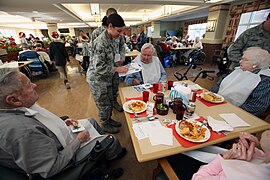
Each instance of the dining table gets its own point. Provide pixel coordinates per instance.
(145, 151)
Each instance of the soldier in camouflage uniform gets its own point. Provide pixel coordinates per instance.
(258, 36)
(101, 71)
(119, 49)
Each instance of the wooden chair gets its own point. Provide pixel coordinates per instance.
(166, 167)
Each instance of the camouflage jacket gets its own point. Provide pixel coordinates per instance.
(253, 37)
(102, 66)
(119, 43)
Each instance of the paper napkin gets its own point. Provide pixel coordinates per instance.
(218, 125)
(233, 120)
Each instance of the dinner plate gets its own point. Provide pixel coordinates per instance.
(206, 136)
(127, 109)
(212, 101)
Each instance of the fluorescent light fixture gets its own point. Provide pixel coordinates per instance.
(145, 16)
(167, 10)
(94, 7)
(35, 12)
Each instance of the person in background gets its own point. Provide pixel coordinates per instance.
(119, 44)
(101, 71)
(248, 86)
(141, 40)
(59, 55)
(85, 52)
(165, 48)
(152, 69)
(23, 41)
(258, 36)
(197, 45)
(243, 161)
(37, 40)
(44, 57)
(36, 141)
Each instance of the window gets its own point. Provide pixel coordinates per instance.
(251, 19)
(196, 30)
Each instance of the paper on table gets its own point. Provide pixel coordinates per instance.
(217, 125)
(132, 68)
(195, 87)
(233, 120)
(161, 135)
(141, 130)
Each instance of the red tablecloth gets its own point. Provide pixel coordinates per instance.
(186, 143)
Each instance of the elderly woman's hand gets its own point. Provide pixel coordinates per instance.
(247, 138)
(239, 151)
(135, 82)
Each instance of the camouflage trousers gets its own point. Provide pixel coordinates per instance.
(103, 97)
(115, 85)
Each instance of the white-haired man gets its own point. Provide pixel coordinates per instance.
(152, 69)
(34, 140)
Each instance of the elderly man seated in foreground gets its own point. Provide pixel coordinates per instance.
(34, 140)
(248, 86)
(152, 69)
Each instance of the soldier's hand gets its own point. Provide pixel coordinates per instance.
(122, 69)
(83, 136)
(119, 63)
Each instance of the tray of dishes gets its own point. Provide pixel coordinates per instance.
(212, 97)
(134, 106)
(193, 131)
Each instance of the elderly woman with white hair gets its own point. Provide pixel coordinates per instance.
(248, 86)
(152, 69)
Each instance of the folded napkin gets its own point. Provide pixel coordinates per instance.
(234, 120)
(195, 87)
(217, 125)
(161, 135)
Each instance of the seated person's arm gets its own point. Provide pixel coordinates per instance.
(38, 153)
(259, 100)
(133, 79)
(163, 75)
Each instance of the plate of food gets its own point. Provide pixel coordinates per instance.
(134, 106)
(212, 97)
(193, 131)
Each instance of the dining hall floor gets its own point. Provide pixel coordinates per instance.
(78, 103)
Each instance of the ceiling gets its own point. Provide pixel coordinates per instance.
(35, 14)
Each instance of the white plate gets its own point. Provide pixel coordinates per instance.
(207, 132)
(126, 106)
(208, 92)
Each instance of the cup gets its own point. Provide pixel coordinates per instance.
(145, 96)
(170, 85)
(177, 104)
(155, 88)
(158, 98)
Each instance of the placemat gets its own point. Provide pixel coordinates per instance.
(186, 143)
(139, 114)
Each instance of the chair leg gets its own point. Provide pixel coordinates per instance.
(156, 171)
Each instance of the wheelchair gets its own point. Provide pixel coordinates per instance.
(91, 167)
(36, 68)
(196, 57)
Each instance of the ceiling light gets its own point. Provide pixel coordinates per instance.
(94, 7)
(35, 12)
(167, 10)
(145, 16)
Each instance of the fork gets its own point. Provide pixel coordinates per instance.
(135, 114)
